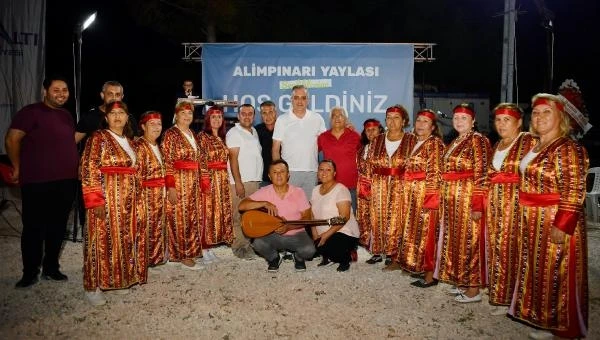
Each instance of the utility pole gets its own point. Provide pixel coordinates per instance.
(508, 52)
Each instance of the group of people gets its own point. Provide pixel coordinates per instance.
(507, 217)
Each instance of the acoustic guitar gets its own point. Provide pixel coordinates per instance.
(256, 223)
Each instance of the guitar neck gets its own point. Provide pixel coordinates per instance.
(306, 222)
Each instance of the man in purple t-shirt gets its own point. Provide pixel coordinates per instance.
(40, 144)
(289, 202)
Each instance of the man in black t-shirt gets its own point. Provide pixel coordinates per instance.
(90, 121)
(268, 113)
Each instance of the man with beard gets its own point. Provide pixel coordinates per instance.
(245, 172)
(44, 157)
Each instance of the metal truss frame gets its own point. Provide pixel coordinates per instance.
(423, 52)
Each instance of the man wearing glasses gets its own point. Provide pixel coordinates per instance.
(295, 134)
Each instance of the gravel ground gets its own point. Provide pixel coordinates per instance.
(239, 299)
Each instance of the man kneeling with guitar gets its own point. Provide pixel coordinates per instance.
(288, 203)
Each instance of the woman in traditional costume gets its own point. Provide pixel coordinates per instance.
(461, 245)
(216, 201)
(182, 178)
(502, 211)
(551, 287)
(153, 193)
(110, 186)
(386, 158)
(421, 199)
(371, 129)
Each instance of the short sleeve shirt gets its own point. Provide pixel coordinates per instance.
(290, 207)
(249, 157)
(48, 150)
(343, 152)
(325, 207)
(298, 138)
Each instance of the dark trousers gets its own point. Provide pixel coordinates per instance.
(338, 247)
(46, 208)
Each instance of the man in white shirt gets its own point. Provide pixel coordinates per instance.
(245, 172)
(296, 135)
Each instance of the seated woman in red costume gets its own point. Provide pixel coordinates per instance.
(503, 218)
(216, 199)
(110, 185)
(551, 290)
(153, 193)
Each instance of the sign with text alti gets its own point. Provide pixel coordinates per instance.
(365, 79)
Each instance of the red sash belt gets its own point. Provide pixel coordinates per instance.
(185, 165)
(538, 200)
(117, 170)
(457, 175)
(415, 176)
(388, 171)
(504, 177)
(154, 183)
(364, 187)
(219, 165)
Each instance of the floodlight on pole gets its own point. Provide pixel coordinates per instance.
(79, 28)
(78, 39)
(88, 21)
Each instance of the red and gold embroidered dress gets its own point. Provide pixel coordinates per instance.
(216, 204)
(109, 180)
(421, 197)
(363, 193)
(503, 221)
(386, 193)
(461, 245)
(551, 288)
(152, 201)
(183, 219)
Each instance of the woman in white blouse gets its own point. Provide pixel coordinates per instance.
(332, 199)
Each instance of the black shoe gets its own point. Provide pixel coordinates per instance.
(288, 256)
(26, 282)
(299, 264)
(422, 284)
(325, 261)
(55, 276)
(344, 266)
(274, 264)
(416, 275)
(374, 259)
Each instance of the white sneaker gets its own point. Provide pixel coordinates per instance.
(206, 257)
(455, 290)
(499, 311)
(463, 298)
(541, 334)
(211, 254)
(95, 298)
(123, 291)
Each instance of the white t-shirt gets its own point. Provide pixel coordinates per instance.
(324, 207)
(526, 160)
(249, 157)
(298, 137)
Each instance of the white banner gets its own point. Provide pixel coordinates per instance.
(22, 42)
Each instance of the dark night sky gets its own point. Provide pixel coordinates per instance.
(468, 33)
